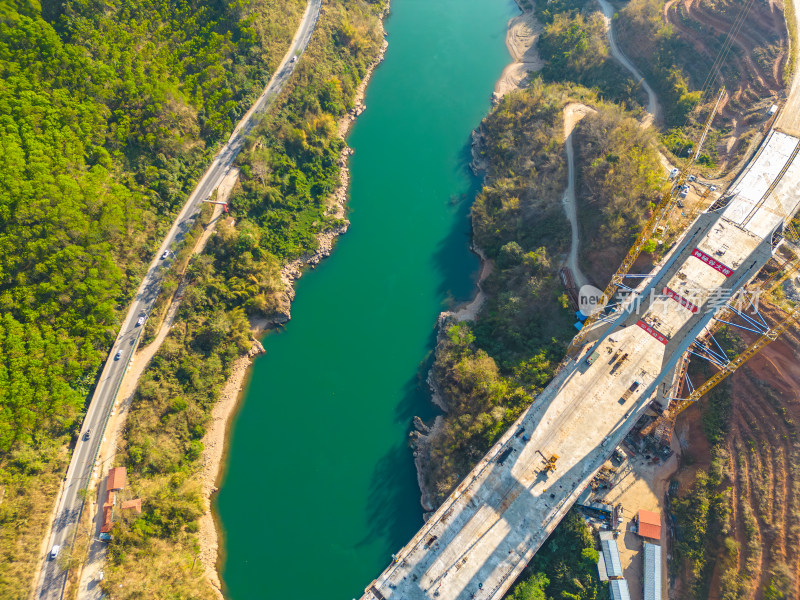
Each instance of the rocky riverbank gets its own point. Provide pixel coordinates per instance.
(337, 209)
(523, 32)
(215, 440)
(422, 434)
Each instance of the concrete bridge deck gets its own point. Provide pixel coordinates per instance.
(480, 539)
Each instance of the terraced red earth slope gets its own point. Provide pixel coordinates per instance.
(676, 44)
(753, 546)
(764, 447)
(752, 73)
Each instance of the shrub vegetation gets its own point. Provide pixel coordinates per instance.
(565, 568)
(288, 170)
(108, 116)
(489, 370)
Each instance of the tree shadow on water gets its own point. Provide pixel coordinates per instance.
(394, 512)
(455, 264)
(416, 399)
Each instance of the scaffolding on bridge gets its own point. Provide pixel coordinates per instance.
(661, 212)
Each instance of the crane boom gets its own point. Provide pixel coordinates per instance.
(666, 421)
(664, 207)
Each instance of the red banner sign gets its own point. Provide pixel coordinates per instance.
(680, 299)
(712, 262)
(660, 337)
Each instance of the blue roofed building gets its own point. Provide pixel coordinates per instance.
(651, 574)
(610, 556)
(619, 589)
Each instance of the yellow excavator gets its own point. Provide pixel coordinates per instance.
(549, 463)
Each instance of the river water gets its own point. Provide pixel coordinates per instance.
(320, 487)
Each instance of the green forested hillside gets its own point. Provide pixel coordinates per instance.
(288, 170)
(565, 568)
(108, 114)
(575, 48)
(490, 370)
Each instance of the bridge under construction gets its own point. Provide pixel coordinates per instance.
(479, 540)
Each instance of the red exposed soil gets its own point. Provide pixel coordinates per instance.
(764, 447)
(695, 449)
(752, 73)
(766, 413)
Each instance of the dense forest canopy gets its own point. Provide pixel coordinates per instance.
(109, 112)
(107, 115)
(289, 167)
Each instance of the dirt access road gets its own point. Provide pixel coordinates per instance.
(573, 113)
(652, 100)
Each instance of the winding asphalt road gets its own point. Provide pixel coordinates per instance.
(52, 578)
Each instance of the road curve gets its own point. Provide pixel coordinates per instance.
(51, 578)
(652, 101)
(573, 113)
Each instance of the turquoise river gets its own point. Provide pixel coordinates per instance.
(320, 487)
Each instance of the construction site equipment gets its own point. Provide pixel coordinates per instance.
(628, 392)
(662, 210)
(568, 281)
(789, 268)
(550, 464)
(703, 198)
(620, 362)
(662, 427)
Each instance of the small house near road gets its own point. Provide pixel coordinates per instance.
(133, 504)
(114, 483)
(116, 478)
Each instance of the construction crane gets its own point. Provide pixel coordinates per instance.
(663, 209)
(789, 268)
(663, 425)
